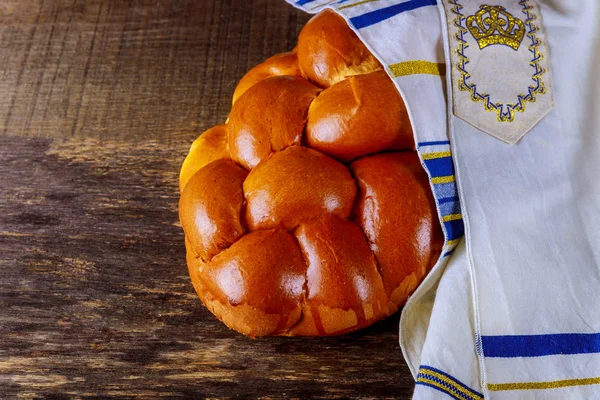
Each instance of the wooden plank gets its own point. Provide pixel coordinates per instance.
(100, 102)
(96, 299)
(131, 70)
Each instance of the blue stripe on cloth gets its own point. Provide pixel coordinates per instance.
(435, 143)
(373, 17)
(445, 190)
(540, 345)
(303, 2)
(440, 166)
(454, 229)
(452, 199)
(446, 254)
(448, 208)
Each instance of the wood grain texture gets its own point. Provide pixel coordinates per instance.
(100, 101)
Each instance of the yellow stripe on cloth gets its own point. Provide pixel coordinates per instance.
(441, 154)
(451, 217)
(457, 388)
(496, 387)
(444, 388)
(453, 242)
(356, 4)
(417, 67)
(442, 179)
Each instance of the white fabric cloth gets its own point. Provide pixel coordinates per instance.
(514, 310)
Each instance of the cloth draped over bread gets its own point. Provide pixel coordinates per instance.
(504, 103)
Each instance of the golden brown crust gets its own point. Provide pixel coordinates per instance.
(328, 50)
(211, 145)
(360, 115)
(296, 185)
(211, 218)
(397, 213)
(281, 238)
(256, 286)
(344, 291)
(269, 117)
(243, 318)
(279, 64)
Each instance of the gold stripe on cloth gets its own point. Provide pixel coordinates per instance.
(416, 67)
(496, 387)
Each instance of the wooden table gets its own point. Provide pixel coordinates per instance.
(99, 103)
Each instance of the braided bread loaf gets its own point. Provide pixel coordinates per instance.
(309, 213)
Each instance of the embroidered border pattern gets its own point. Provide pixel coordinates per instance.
(445, 383)
(437, 161)
(504, 112)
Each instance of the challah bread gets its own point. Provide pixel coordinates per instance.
(278, 65)
(210, 146)
(268, 117)
(359, 115)
(344, 290)
(295, 185)
(328, 51)
(394, 192)
(212, 217)
(309, 213)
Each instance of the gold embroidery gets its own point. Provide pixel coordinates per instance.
(451, 217)
(442, 179)
(504, 112)
(494, 25)
(417, 67)
(453, 242)
(427, 376)
(543, 385)
(444, 388)
(440, 154)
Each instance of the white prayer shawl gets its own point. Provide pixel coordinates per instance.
(504, 101)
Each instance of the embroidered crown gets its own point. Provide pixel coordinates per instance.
(494, 25)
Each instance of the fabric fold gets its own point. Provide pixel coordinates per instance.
(512, 312)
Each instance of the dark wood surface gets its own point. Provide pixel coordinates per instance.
(99, 103)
